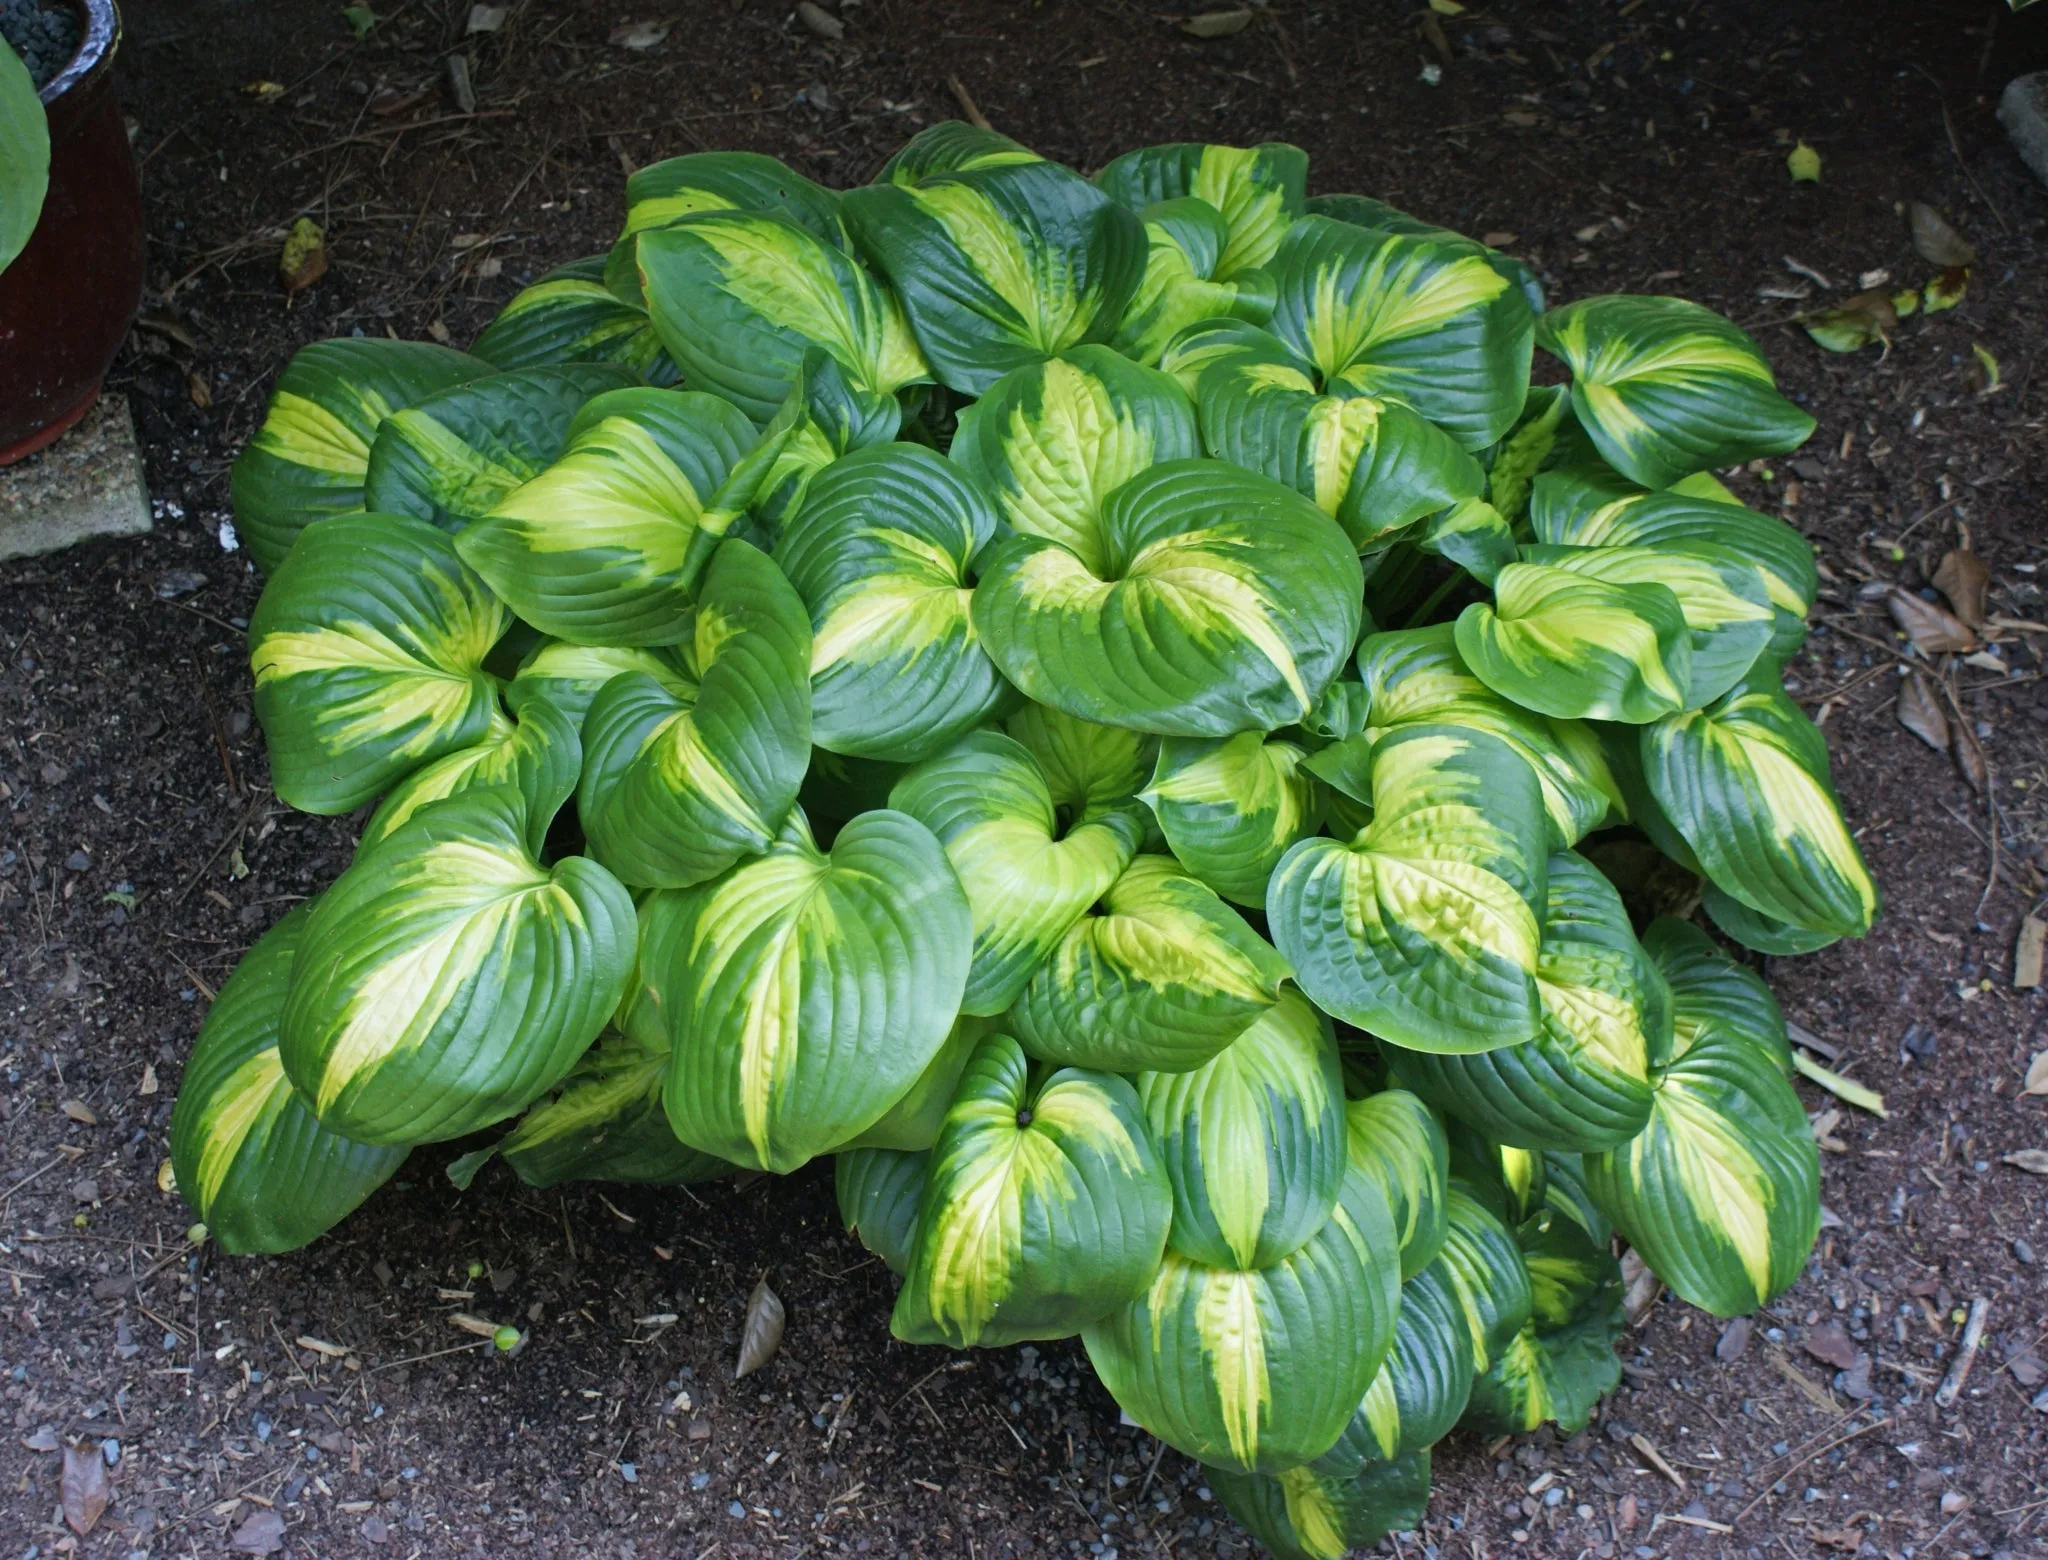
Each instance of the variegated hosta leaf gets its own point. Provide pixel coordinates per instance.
(1583, 1083)
(309, 458)
(1254, 1140)
(368, 648)
(953, 146)
(1570, 510)
(1667, 388)
(1162, 978)
(1481, 1266)
(812, 989)
(1373, 464)
(1000, 265)
(1758, 931)
(1471, 534)
(1721, 1191)
(451, 457)
(667, 191)
(675, 790)
(1307, 1514)
(1423, 929)
(879, 552)
(257, 1167)
(1518, 457)
(571, 316)
(1728, 616)
(448, 980)
(570, 676)
(539, 754)
(879, 1190)
(1363, 211)
(1575, 647)
(1226, 602)
(1394, 1138)
(605, 547)
(1258, 1372)
(1185, 241)
(739, 297)
(1088, 768)
(1512, 1181)
(913, 1122)
(1417, 674)
(1557, 1373)
(1045, 1207)
(1054, 439)
(1423, 1387)
(1258, 191)
(1746, 782)
(1027, 880)
(1230, 807)
(1567, 1248)
(1712, 994)
(1422, 320)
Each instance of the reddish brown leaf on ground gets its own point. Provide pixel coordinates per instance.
(762, 1335)
(82, 1489)
(1963, 577)
(1933, 629)
(262, 1534)
(1829, 1344)
(1920, 711)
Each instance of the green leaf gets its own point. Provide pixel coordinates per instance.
(1758, 931)
(1000, 265)
(811, 989)
(1185, 242)
(663, 193)
(1373, 464)
(24, 155)
(1572, 646)
(1226, 602)
(1556, 1376)
(879, 1190)
(571, 316)
(1045, 1207)
(1712, 994)
(1666, 388)
(1803, 163)
(1230, 807)
(257, 1167)
(607, 545)
(675, 789)
(1253, 1140)
(1258, 192)
(1426, 321)
(879, 552)
(309, 458)
(1027, 879)
(1421, 929)
(738, 298)
(1054, 439)
(1161, 977)
(1258, 1372)
(1481, 1265)
(448, 980)
(1089, 769)
(1417, 675)
(569, 676)
(913, 1122)
(368, 650)
(953, 146)
(1421, 1390)
(1396, 1140)
(1745, 781)
(1363, 211)
(1582, 1083)
(540, 755)
(1307, 1514)
(1517, 458)
(1721, 1191)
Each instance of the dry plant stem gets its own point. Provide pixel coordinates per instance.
(1785, 1477)
(1951, 1387)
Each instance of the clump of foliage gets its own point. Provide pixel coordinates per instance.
(1113, 708)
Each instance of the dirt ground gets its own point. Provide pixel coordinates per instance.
(322, 1404)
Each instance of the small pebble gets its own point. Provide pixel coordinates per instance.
(2022, 1253)
(77, 861)
(629, 1473)
(699, 1481)
(735, 1510)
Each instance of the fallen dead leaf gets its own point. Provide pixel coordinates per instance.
(1946, 290)
(81, 1113)
(820, 21)
(485, 18)
(1640, 1287)
(1217, 24)
(1855, 324)
(638, 36)
(1939, 243)
(762, 1334)
(1964, 578)
(2028, 1370)
(82, 1489)
(265, 91)
(200, 392)
(1970, 756)
(1934, 630)
(2037, 1073)
(1847, 1538)
(1920, 711)
(262, 1534)
(1625, 1514)
(1832, 1346)
(303, 260)
(1823, 1124)
(2032, 1160)
(148, 1084)
(1734, 1339)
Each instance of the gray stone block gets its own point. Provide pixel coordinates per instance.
(2023, 110)
(87, 484)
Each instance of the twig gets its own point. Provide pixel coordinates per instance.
(1655, 1458)
(414, 1359)
(1875, 1424)
(1951, 1386)
(1151, 1472)
(968, 109)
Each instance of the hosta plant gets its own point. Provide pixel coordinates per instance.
(1114, 709)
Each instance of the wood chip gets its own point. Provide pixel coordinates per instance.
(1217, 24)
(476, 1326)
(1655, 1458)
(2032, 1160)
(2037, 1073)
(80, 1112)
(2027, 953)
(332, 1351)
(820, 21)
(1951, 1386)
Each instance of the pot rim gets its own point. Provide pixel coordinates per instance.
(95, 53)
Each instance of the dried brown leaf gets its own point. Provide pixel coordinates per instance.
(1832, 1346)
(80, 1112)
(1934, 630)
(2037, 1075)
(82, 1489)
(1970, 757)
(1920, 711)
(762, 1334)
(1217, 24)
(638, 36)
(1939, 243)
(1966, 581)
(1640, 1287)
(1734, 1339)
(2032, 1160)
(262, 1534)
(2028, 1370)
(820, 21)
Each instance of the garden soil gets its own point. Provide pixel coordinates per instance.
(323, 1404)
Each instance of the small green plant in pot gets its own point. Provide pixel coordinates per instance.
(1101, 705)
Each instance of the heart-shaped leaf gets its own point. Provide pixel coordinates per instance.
(1231, 807)
(1397, 1140)
(571, 316)
(1307, 1514)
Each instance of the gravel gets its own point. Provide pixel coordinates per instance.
(44, 38)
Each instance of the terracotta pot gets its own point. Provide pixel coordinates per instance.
(67, 301)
